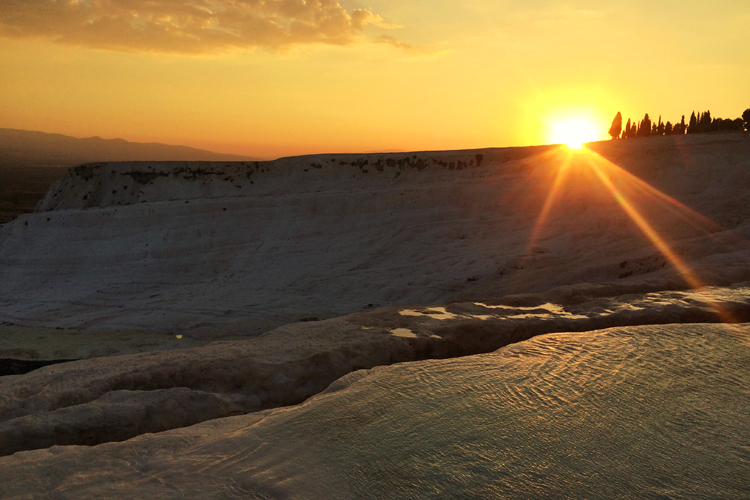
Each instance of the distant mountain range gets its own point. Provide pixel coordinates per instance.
(26, 148)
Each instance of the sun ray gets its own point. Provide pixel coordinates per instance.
(549, 201)
(685, 271)
(552, 195)
(640, 188)
(646, 228)
(637, 188)
(627, 189)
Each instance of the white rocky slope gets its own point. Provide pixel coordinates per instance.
(228, 249)
(354, 234)
(132, 245)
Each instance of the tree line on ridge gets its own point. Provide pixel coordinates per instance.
(700, 123)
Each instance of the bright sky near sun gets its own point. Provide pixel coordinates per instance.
(284, 77)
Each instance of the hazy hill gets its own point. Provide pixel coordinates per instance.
(22, 147)
(31, 161)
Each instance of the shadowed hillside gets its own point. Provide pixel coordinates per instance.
(31, 161)
(21, 188)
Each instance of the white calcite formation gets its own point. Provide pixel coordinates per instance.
(105, 399)
(619, 413)
(201, 291)
(236, 249)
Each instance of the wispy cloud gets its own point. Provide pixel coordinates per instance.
(413, 49)
(190, 27)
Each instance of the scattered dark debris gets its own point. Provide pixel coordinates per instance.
(86, 171)
(146, 177)
(194, 174)
(306, 320)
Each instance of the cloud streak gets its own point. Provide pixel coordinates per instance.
(415, 50)
(189, 27)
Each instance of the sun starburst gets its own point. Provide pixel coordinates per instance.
(573, 133)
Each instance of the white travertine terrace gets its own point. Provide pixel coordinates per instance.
(235, 249)
(282, 277)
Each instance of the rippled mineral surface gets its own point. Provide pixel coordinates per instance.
(632, 412)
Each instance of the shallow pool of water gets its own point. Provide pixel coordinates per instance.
(639, 412)
(647, 412)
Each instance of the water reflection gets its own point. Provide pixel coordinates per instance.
(545, 311)
(439, 313)
(636, 412)
(403, 332)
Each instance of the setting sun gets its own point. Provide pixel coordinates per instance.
(573, 133)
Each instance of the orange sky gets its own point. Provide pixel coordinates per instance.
(270, 78)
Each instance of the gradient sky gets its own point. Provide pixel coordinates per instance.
(280, 77)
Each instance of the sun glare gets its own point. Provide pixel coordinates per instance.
(573, 133)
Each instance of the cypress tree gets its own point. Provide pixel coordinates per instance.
(645, 129)
(616, 128)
